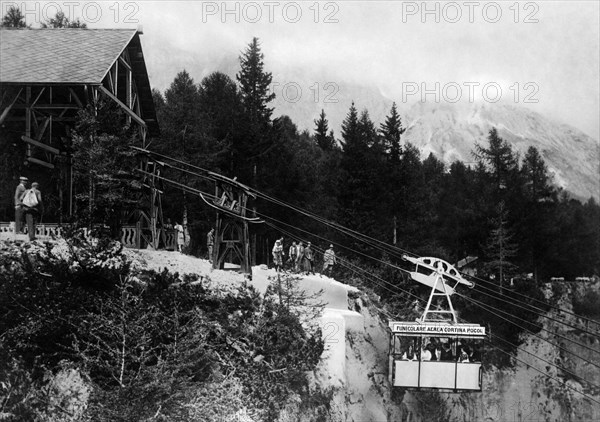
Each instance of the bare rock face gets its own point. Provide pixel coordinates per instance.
(450, 131)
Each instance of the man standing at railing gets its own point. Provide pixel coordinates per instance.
(19, 194)
(34, 208)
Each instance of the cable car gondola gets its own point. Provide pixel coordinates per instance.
(436, 351)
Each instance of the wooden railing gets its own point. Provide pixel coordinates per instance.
(130, 235)
(46, 231)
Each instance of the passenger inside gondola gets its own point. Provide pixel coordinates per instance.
(475, 355)
(446, 352)
(462, 353)
(407, 348)
(425, 352)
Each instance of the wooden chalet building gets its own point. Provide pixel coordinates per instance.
(46, 77)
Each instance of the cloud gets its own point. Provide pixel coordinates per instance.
(383, 43)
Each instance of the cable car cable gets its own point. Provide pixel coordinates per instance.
(396, 267)
(485, 307)
(546, 361)
(547, 375)
(383, 262)
(388, 247)
(540, 313)
(391, 247)
(336, 243)
(496, 336)
(537, 300)
(340, 228)
(345, 263)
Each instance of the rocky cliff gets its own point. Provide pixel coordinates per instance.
(359, 389)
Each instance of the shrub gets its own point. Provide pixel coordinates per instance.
(587, 304)
(147, 341)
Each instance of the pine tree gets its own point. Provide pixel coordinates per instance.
(325, 141)
(367, 131)
(332, 140)
(350, 132)
(539, 199)
(101, 153)
(183, 137)
(14, 18)
(499, 158)
(500, 247)
(535, 174)
(255, 84)
(158, 100)
(220, 104)
(181, 112)
(391, 131)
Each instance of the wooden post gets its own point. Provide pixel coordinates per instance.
(138, 235)
(255, 177)
(28, 117)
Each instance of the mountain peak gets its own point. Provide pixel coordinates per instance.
(450, 131)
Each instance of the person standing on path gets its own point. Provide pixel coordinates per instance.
(292, 253)
(210, 244)
(34, 208)
(309, 259)
(180, 236)
(278, 255)
(299, 256)
(329, 260)
(19, 194)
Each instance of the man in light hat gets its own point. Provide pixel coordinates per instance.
(210, 244)
(33, 211)
(19, 194)
(299, 256)
(278, 254)
(329, 260)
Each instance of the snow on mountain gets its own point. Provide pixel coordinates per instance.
(450, 131)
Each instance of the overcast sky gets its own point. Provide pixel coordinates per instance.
(546, 52)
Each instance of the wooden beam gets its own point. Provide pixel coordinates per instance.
(111, 85)
(40, 162)
(7, 109)
(40, 145)
(129, 111)
(38, 97)
(34, 120)
(50, 106)
(40, 132)
(54, 118)
(116, 87)
(76, 98)
(28, 117)
(124, 63)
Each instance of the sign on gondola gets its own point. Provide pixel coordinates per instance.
(460, 330)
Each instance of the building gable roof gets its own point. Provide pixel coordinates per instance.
(60, 56)
(73, 56)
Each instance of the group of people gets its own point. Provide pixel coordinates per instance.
(437, 350)
(28, 204)
(302, 258)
